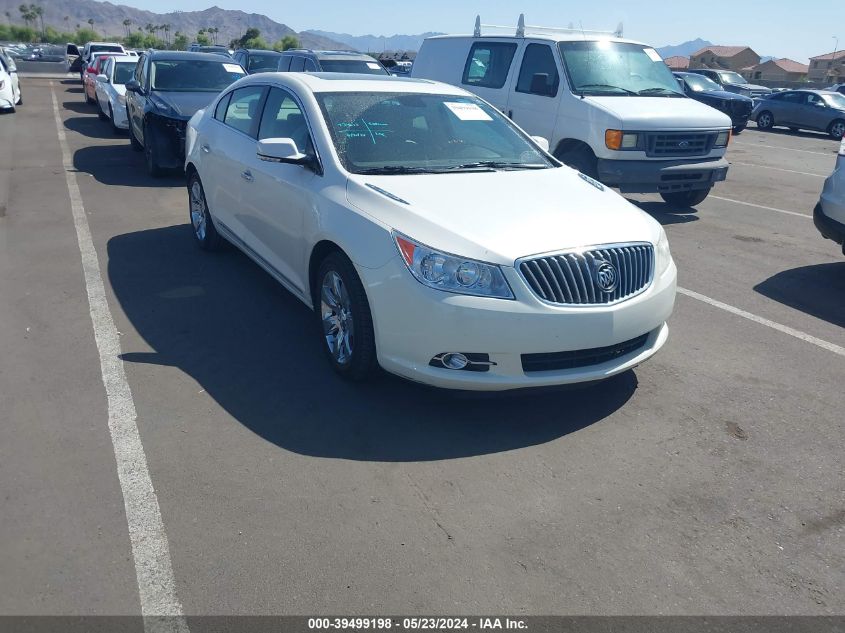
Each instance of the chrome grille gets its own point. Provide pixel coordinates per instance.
(679, 143)
(573, 278)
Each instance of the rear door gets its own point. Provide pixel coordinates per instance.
(533, 102)
(487, 71)
(786, 108)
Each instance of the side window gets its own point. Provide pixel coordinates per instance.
(297, 64)
(538, 62)
(220, 110)
(139, 71)
(310, 66)
(488, 64)
(282, 118)
(284, 63)
(792, 97)
(242, 111)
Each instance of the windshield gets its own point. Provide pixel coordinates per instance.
(617, 69)
(732, 78)
(697, 83)
(123, 72)
(394, 133)
(193, 75)
(352, 66)
(835, 100)
(263, 61)
(106, 49)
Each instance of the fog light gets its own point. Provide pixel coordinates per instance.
(454, 360)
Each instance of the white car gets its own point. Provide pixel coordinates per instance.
(111, 90)
(829, 214)
(429, 234)
(10, 88)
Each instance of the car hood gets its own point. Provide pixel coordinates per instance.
(748, 87)
(185, 104)
(660, 113)
(499, 217)
(723, 95)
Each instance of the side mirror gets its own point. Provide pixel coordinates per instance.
(133, 86)
(540, 85)
(282, 150)
(103, 79)
(542, 142)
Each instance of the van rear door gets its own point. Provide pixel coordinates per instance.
(487, 70)
(534, 97)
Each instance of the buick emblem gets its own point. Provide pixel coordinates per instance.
(683, 144)
(606, 276)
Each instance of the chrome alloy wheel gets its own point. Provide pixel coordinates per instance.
(837, 130)
(336, 314)
(199, 213)
(765, 120)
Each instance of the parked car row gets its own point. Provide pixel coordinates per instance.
(10, 87)
(817, 110)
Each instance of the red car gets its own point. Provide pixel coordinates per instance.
(89, 77)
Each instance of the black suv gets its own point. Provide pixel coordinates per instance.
(168, 87)
(257, 61)
(301, 60)
(700, 88)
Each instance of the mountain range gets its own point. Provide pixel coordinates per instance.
(67, 15)
(375, 43)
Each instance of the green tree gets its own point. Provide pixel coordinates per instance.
(180, 41)
(202, 39)
(286, 43)
(39, 13)
(127, 25)
(27, 13)
(91, 24)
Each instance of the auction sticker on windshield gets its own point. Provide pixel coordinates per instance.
(653, 55)
(233, 68)
(468, 111)
(373, 66)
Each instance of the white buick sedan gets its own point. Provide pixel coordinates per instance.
(429, 234)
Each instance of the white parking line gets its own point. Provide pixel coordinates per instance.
(160, 606)
(760, 206)
(789, 149)
(831, 347)
(790, 171)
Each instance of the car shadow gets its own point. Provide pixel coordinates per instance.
(817, 290)
(91, 127)
(120, 165)
(782, 131)
(666, 213)
(256, 350)
(80, 107)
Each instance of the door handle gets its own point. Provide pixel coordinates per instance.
(246, 175)
(510, 114)
(205, 148)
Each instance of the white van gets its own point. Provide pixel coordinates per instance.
(609, 106)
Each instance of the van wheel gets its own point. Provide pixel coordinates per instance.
(582, 159)
(685, 199)
(765, 120)
(837, 129)
(344, 318)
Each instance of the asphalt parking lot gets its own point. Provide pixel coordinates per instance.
(708, 481)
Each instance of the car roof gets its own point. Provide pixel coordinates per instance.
(185, 55)
(572, 36)
(260, 50)
(353, 82)
(329, 54)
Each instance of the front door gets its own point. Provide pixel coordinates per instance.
(533, 101)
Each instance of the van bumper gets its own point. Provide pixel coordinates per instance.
(661, 176)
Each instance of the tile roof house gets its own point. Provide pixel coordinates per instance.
(777, 70)
(828, 67)
(677, 62)
(724, 58)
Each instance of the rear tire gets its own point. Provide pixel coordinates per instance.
(205, 233)
(739, 128)
(581, 158)
(765, 120)
(837, 129)
(344, 318)
(685, 199)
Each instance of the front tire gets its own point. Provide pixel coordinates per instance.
(100, 114)
(151, 155)
(343, 314)
(765, 120)
(685, 199)
(115, 130)
(134, 142)
(581, 158)
(20, 98)
(740, 128)
(205, 233)
(837, 129)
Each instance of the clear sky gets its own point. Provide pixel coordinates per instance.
(784, 28)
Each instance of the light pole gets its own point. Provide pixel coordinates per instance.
(833, 61)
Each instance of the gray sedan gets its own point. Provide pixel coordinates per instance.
(820, 110)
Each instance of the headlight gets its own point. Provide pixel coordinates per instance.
(617, 139)
(451, 273)
(662, 254)
(723, 138)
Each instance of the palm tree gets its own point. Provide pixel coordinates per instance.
(126, 24)
(214, 32)
(38, 11)
(91, 24)
(8, 16)
(166, 29)
(26, 13)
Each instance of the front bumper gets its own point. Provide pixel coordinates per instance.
(168, 137)
(828, 227)
(662, 176)
(414, 323)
